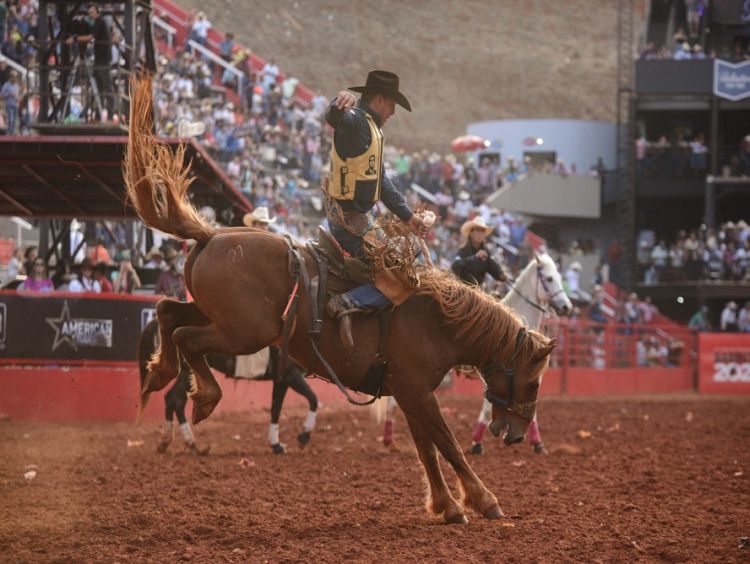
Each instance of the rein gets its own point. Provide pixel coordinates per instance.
(524, 410)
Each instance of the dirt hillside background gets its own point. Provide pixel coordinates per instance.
(459, 62)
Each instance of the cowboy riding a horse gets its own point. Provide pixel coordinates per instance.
(239, 308)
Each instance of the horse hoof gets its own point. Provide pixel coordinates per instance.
(540, 449)
(456, 519)
(195, 451)
(162, 447)
(303, 438)
(493, 512)
(278, 448)
(476, 448)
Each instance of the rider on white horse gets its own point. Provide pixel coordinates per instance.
(538, 286)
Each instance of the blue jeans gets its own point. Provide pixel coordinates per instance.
(12, 113)
(366, 296)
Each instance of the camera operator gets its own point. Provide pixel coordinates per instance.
(97, 29)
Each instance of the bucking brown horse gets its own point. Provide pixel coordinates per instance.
(240, 281)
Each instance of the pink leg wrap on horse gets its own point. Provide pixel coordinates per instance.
(479, 432)
(390, 424)
(534, 437)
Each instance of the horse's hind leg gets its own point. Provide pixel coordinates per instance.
(194, 342)
(475, 494)
(164, 364)
(439, 498)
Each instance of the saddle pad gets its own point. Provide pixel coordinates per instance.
(252, 366)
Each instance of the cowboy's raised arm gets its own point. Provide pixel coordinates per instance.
(338, 115)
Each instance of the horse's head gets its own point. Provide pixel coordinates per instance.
(550, 287)
(513, 385)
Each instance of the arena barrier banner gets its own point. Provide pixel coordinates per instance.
(724, 363)
(72, 329)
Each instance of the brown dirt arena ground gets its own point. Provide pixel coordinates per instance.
(659, 479)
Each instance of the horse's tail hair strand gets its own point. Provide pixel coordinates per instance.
(156, 179)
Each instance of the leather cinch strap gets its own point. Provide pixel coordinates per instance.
(316, 294)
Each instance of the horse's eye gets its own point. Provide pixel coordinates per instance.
(549, 278)
(534, 385)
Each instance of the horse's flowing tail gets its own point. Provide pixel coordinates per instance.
(156, 179)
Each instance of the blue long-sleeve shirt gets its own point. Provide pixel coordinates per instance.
(352, 138)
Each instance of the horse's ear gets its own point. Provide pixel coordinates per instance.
(546, 350)
(538, 260)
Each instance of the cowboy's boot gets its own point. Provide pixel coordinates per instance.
(340, 308)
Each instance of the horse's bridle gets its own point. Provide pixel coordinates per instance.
(523, 410)
(539, 280)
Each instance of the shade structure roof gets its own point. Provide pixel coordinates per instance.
(81, 176)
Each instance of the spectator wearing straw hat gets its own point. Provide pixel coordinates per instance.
(155, 260)
(259, 218)
(473, 262)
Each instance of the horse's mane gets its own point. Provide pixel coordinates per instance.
(479, 319)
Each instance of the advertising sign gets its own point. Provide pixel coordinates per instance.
(731, 80)
(724, 363)
(71, 328)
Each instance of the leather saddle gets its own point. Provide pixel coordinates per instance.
(344, 272)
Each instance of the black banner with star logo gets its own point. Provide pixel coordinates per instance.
(72, 328)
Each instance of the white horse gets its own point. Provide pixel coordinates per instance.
(537, 287)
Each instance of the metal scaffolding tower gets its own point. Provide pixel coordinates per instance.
(70, 78)
(626, 142)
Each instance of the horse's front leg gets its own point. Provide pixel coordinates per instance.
(439, 498)
(474, 493)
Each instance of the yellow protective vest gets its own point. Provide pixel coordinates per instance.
(360, 175)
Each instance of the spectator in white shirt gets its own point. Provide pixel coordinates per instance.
(199, 31)
(728, 320)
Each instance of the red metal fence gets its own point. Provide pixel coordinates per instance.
(618, 358)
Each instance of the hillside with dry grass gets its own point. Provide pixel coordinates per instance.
(459, 60)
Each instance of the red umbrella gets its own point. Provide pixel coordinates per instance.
(468, 143)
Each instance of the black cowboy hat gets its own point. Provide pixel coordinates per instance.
(386, 83)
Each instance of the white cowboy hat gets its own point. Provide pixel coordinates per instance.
(155, 251)
(476, 223)
(258, 214)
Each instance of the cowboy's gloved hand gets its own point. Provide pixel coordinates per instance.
(345, 100)
(418, 226)
(481, 254)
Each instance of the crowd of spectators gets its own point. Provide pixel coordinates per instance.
(706, 253)
(18, 30)
(683, 156)
(688, 42)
